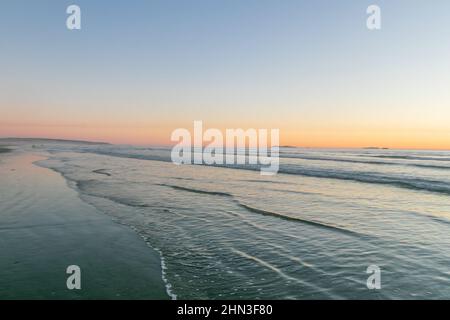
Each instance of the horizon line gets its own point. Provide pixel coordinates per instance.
(168, 145)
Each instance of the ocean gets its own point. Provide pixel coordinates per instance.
(309, 232)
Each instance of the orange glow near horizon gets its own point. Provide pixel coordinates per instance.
(312, 137)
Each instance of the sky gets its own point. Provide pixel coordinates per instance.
(139, 69)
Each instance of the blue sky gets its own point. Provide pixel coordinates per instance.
(301, 65)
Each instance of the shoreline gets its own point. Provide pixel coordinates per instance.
(46, 227)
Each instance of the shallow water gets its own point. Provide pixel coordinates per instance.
(309, 232)
(45, 227)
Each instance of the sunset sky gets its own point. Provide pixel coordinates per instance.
(140, 69)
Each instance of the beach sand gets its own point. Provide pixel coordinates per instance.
(45, 227)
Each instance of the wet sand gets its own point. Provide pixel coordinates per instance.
(45, 227)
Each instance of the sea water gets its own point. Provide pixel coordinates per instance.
(309, 232)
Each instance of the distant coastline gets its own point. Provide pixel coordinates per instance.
(9, 141)
(44, 140)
